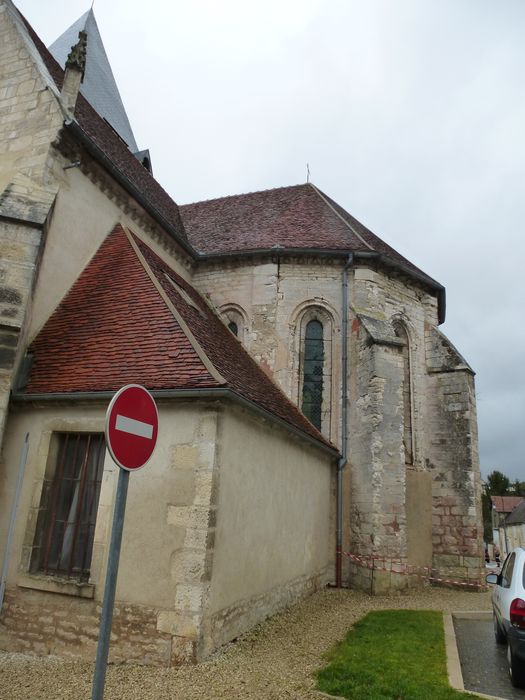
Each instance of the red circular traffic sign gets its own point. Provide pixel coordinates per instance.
(132, 424)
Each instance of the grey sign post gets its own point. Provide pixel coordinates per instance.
(106, 617)
(131, 435)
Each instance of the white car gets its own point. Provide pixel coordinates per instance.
(508, 605)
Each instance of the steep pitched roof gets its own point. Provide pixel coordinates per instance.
(505, 504)
(99, 85)
(300, 216)
(104, 138)
(130, 318)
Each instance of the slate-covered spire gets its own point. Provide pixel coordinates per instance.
(99, 86)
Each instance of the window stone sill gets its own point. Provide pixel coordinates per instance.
(50, 584)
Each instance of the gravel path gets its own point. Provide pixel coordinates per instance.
(273, 662)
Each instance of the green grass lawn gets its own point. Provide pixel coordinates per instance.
(391, 655)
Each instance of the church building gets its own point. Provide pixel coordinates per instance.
(315, 425)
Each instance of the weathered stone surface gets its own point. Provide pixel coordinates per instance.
(47, 623)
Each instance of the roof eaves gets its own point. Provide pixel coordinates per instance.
(205, 393)
(337, 252)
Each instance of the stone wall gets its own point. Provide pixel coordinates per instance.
(274, 538)
(380, 480)
(30, 114)
(168, 536)
(274, 294)
(46, 623)
(29, 119)
(453, 462)
(195, 519)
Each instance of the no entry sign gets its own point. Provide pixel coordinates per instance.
(131, 433)
(131, 427)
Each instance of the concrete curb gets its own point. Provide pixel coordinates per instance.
(455, 676)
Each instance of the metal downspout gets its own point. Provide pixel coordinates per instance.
(344, 423)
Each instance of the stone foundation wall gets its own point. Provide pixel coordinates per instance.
(229, 623)
(47, 623)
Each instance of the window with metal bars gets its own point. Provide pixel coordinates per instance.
(312, 370)
(68, 506)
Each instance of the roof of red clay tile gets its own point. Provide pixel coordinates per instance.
(505, 504)
(113, 147)
(300, 216)
(114, 327)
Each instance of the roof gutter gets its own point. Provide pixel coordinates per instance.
(99, 155)
(209, 393)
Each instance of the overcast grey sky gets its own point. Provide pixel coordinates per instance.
(411, 114)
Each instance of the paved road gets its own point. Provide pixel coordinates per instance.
(483, 662)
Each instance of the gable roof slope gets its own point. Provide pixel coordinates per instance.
(115, 327)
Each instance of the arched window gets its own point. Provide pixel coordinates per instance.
(312, 365)
(312, 370)
(402, 334)
(235, 319)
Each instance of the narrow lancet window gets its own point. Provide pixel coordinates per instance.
(407, 394)
(313, 367)
(233, 327)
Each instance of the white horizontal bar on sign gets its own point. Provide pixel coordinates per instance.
(135, 427)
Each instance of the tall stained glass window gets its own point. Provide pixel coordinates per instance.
(313, 366)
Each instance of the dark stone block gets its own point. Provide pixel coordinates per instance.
(8, 339)
(7, 357)
(10, 312)
(8, 295)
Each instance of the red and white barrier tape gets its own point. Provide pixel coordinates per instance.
(372, 562)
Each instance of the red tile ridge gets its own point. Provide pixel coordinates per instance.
(345, 222)
(245, 194)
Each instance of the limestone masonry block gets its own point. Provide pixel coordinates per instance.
(185, 456)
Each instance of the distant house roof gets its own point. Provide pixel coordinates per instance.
(130, 318)
(99, 85)
(517, 516)
(505, 504)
